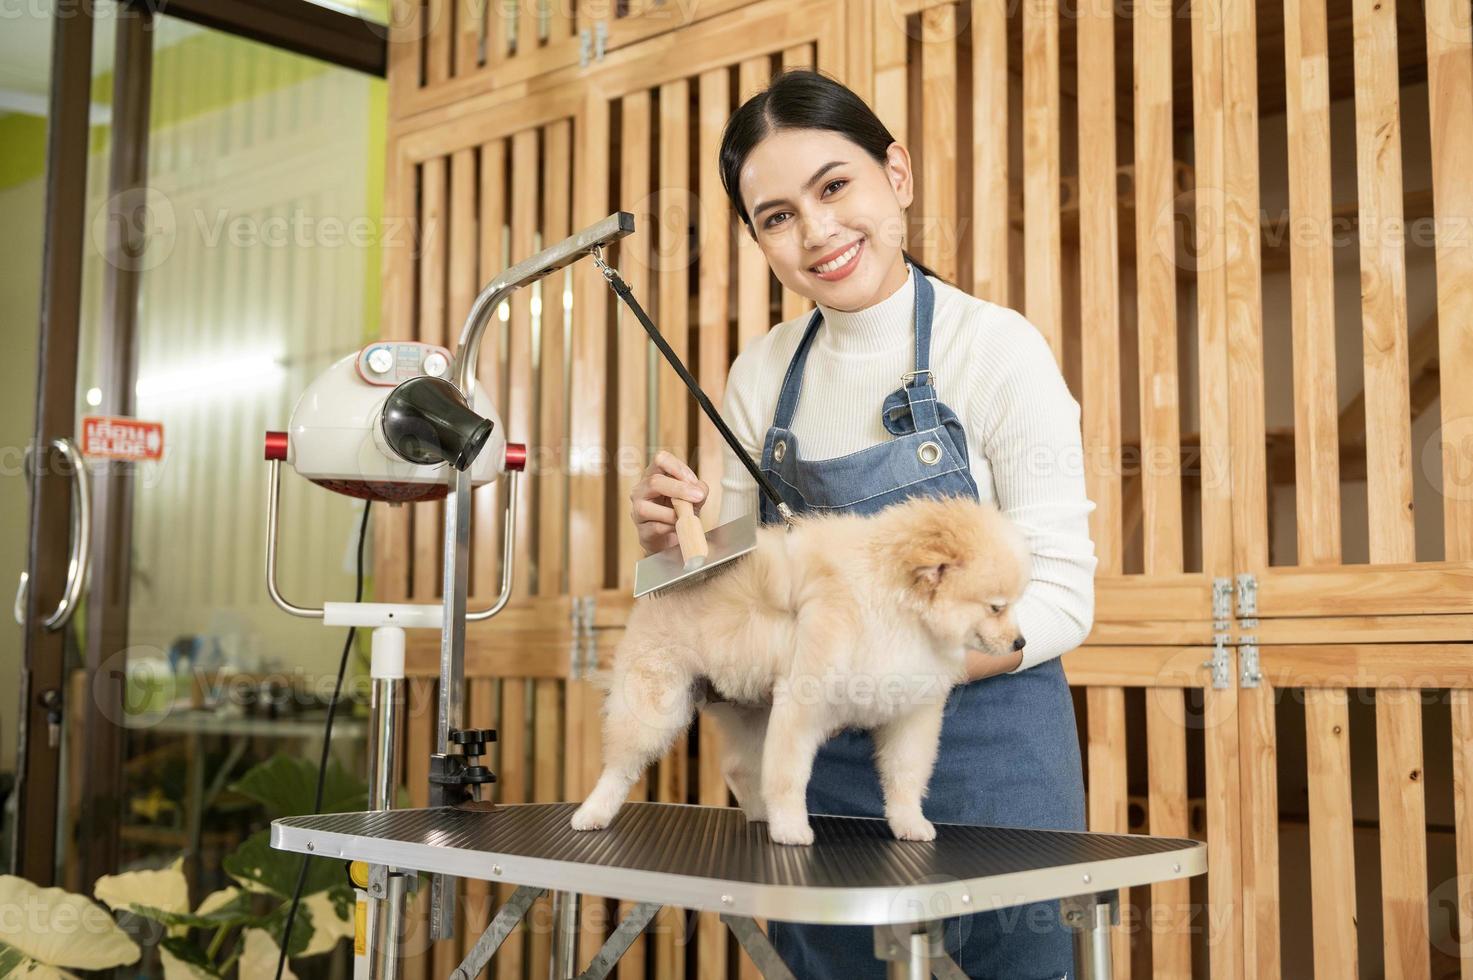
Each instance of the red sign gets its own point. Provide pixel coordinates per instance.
(114, 437)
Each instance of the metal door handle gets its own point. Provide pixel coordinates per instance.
(76, 573)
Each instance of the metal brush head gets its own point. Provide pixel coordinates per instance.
(669, 567)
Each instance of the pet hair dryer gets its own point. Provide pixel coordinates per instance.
(385, 424)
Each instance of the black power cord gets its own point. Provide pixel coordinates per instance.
(332, 707)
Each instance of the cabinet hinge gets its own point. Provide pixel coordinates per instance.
(1248, 673)
(1221, 662)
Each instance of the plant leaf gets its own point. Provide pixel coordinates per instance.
(218, 899)
(60, 929)
(259, 955)
(165, 888)
(328, 927)
(302, 928)
(343, 901)
(11, 961)
(234, 913)
(286, 787)
(185, 961)
(257, 863)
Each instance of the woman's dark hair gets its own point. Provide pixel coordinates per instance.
(800, 98)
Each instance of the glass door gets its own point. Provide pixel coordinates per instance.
(225, 258)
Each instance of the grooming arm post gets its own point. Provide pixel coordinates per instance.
(458, 506)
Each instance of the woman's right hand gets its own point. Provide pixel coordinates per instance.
(650, 507)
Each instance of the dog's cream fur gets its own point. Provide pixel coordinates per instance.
(841, 621)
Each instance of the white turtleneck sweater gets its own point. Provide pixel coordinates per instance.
(997, 373)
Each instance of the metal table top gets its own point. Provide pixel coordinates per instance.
(711, 858)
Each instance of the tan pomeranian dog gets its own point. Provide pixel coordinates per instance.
(841, 621)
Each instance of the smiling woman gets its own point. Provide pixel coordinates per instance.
(982, 412)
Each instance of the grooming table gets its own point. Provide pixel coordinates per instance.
(712, 859)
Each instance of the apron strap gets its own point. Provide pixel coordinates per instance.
(920, 384)
(787, 399)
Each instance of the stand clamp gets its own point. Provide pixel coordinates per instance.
(453, 776)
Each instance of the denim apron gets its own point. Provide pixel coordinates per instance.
(1009, 751)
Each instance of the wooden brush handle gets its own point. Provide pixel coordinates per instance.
(688, 530)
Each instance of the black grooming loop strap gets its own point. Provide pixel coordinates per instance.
(626, 294)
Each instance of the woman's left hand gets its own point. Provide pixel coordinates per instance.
(980, 664)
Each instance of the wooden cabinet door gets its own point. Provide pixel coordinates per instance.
(444, 51)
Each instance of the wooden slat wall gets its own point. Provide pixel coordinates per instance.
(989, 258)
(673, 292)
(1316, 446)
(1450, 91)
(1388, 447)
(444, 51)
(632, 376)
(1099, 264)
(1041, 227)
(715, 228)
(1161, 611)
(588, 467)
(1159, 387)
(935, 230)
(1122, 309)
(488, 502)
(797, 56)
(1221, 742)
(1324, 626)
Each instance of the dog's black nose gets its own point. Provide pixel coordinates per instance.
(1018, 644)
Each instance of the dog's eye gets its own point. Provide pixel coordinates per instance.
(998, 607)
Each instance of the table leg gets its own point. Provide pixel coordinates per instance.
(916, 951)
(635, 921)
(1090, 917)
(758, 946)
(506, 919)
(386, 923)
(917, 962)
(563, 963)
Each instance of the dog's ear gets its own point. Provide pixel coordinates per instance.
(928, 577)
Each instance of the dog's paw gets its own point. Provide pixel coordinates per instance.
(754, 808)
(790, 830)
(912, 827)
(588, 817)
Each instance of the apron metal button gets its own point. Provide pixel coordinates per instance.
(780, 450)
(929, 452)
